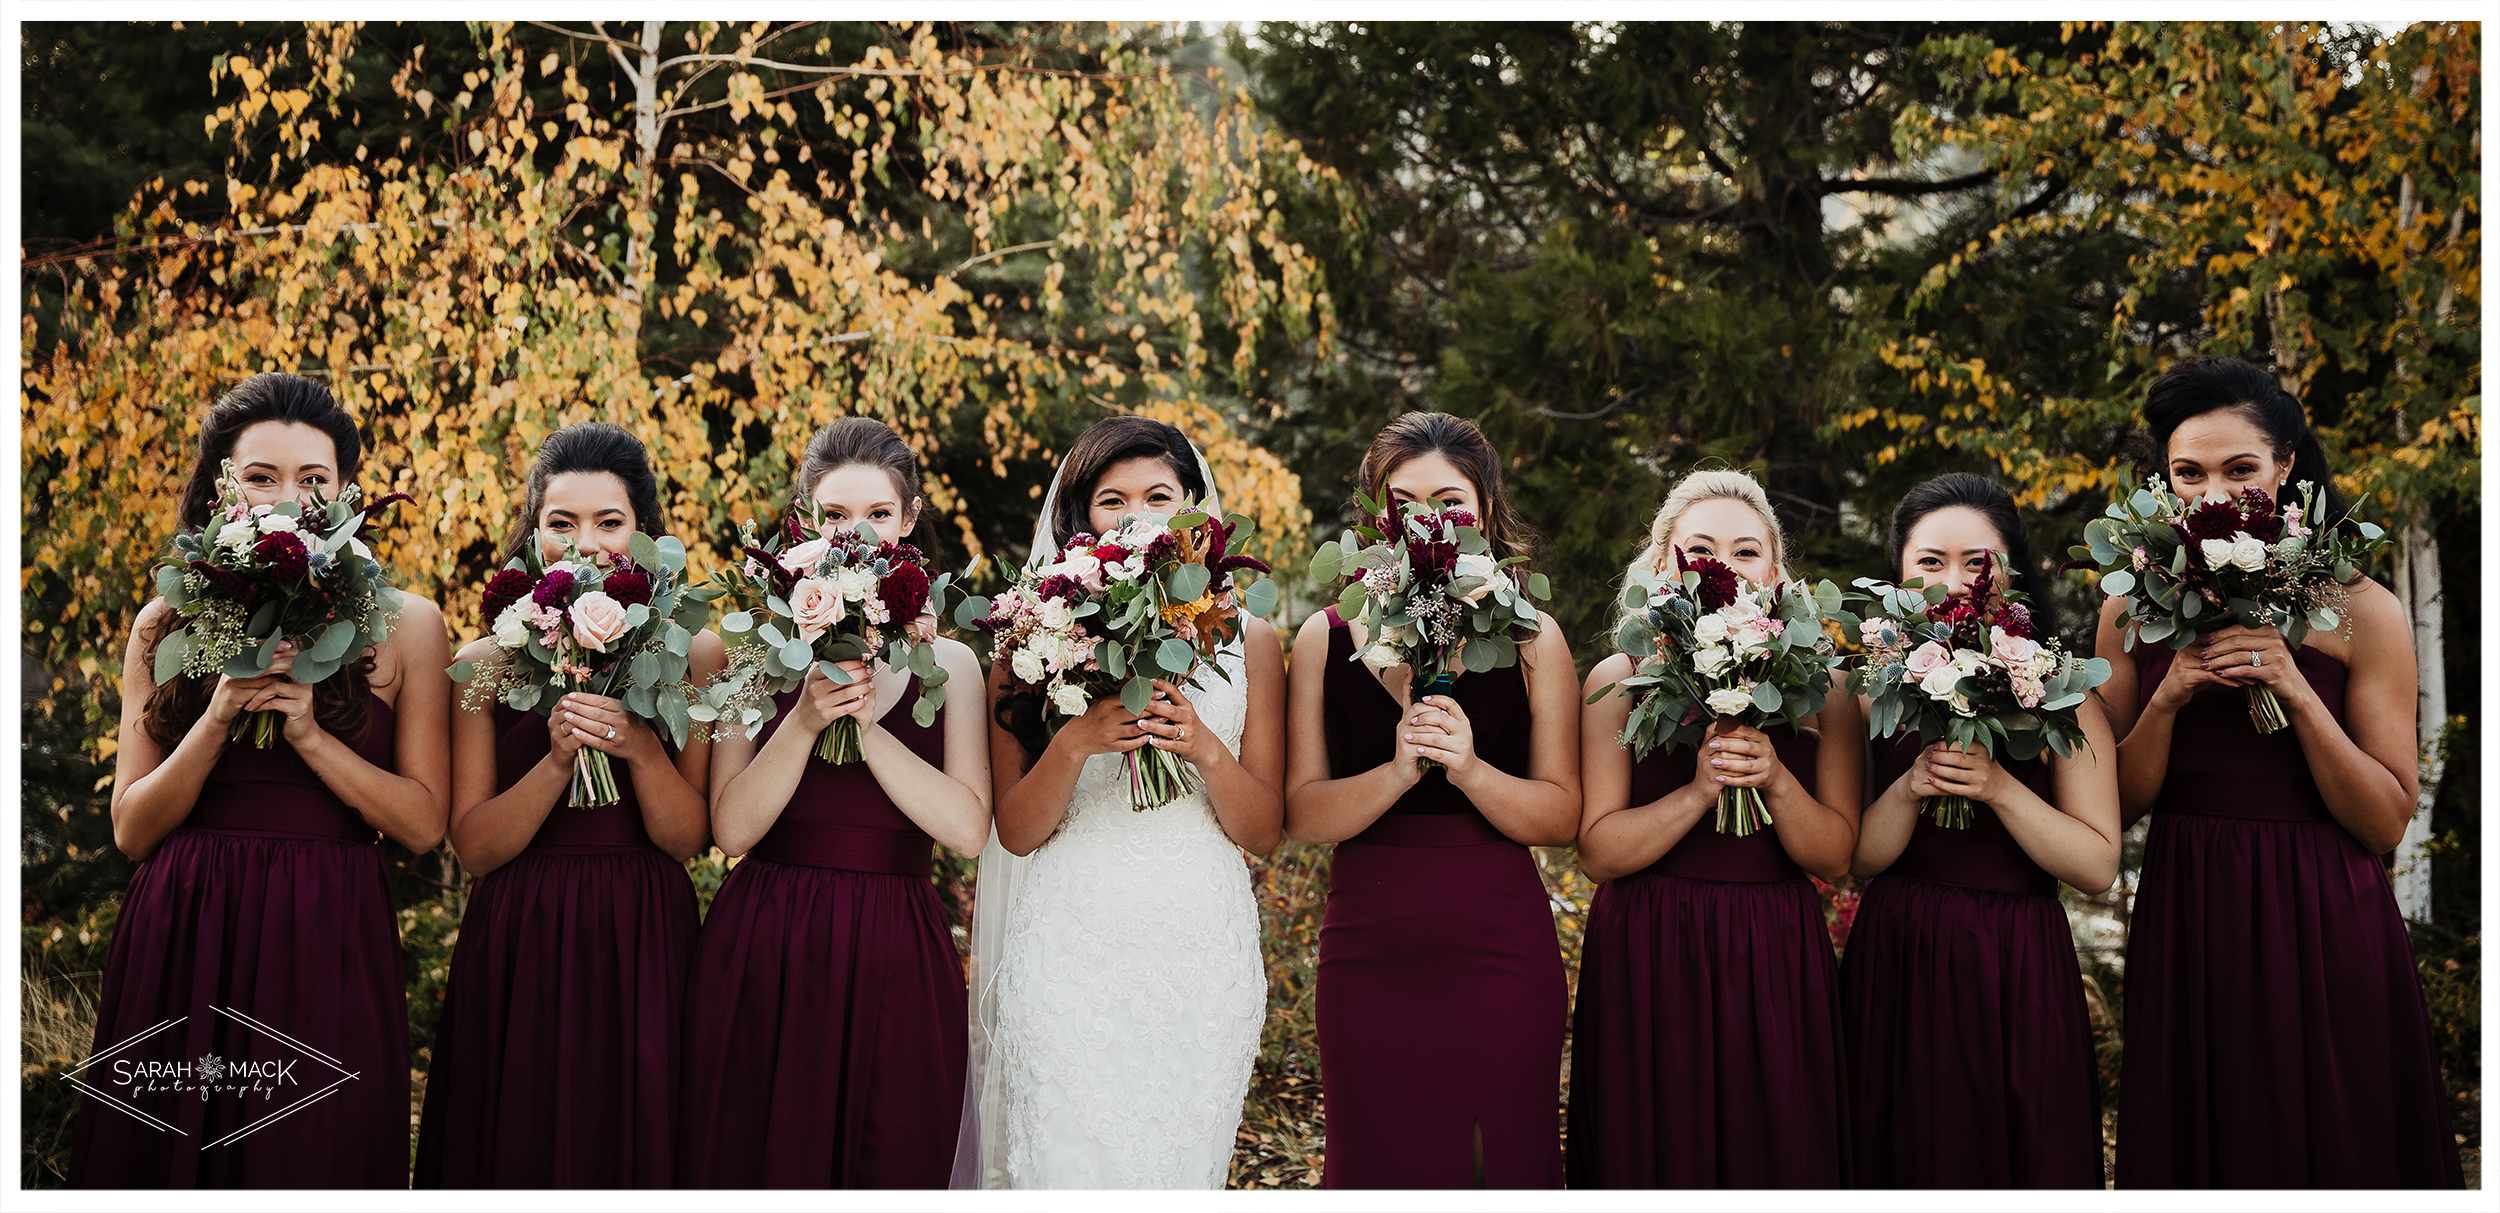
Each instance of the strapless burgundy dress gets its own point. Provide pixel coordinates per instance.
(1706, 1049)
(1970, 1049)
(253, 1028)
(825, 1023)
(556, 1064)
(1441, 996)
(2275, 1031)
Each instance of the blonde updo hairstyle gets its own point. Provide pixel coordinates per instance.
(1705, 486)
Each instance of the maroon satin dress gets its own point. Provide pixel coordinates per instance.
(556, 1062)
(257, 951)
(1441, 996)
(2275, 1030)
(1970, 1048)
(825, 1022)
(1706, 1048)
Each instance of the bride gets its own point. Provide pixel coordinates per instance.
(1117, 986)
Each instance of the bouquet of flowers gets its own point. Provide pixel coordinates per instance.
(620, 628)
(261, 574)
(1705, 647)
(2189, 569)
(840, 596)
(1969, 671)
(1431, 595)
(1108, 615)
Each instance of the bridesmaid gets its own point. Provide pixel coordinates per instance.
(259, 893)
(2276, 1035)
(556, 1063)
(1441, 993)
(825, 1020)
(1970, 1051)
(1707, 1049)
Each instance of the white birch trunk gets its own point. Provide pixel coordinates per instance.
(2418, 588)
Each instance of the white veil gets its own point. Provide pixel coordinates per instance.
(980, 1144)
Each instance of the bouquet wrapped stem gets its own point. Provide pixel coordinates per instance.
(1438, 684)
(1158, 777)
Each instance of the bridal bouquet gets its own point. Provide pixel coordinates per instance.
(1705, 646)
(1968, 671)
(620, 628)
(840, 596)
(2191, 568)
(1108, 615)
(261, 574)
(1431, 595)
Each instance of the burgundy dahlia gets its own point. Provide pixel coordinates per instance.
(2015, 619)
(905, 592)
(628, 585)
(1458, 517)
(1719, 585)
(554, 589)
(502, 590)
(283, 555)
(2259, 516)
(1059, 586)
(2214, 520)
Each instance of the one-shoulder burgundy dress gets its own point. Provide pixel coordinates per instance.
(1706, 1050)
(1441, 993)
(253, 1029)
(556, 1064)
(825, 1022)
(2275, 1030)
(1970, 1049)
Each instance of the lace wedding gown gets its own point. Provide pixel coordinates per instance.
(1130, 991)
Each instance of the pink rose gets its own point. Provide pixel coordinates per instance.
(2017, 652)
(1927, 659)
(598, 621)
(1086, 569)
(802, 559)
(815, 606)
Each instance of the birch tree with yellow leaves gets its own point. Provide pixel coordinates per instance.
(720, 236)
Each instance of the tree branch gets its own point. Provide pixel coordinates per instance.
(1898, 187)
(1616, 403)
(995, 254)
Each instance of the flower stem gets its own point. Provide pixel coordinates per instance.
(1951, 812)
(594, 780)
(1746, 807)
(2265, 709)
(1157, 778)
(257, 729)
(839, 744)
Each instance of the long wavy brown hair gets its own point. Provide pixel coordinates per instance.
(1459, 441)
(341, 702)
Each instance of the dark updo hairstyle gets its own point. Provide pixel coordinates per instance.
(592, 446)
(339, 701)
(2197, 386)
(855, 440)
(1459, 441)
(1990, 500)
(1106, 444)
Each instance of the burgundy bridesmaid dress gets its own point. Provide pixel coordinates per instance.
(1706, 1052)
(1441, 993)
(556, 1063)
(2275, 1030)
(825, 1022)
(256, 949)
(1970, 1050)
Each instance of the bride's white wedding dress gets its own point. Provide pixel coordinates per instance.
(1130, 991)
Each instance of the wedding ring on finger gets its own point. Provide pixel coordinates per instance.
(611, 732)
(2255, 659)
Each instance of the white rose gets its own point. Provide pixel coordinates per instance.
(1382, 658)
(1710, 629)
(2248, 552)
(1729, 701)
(1057, 615)
(1069, 699)
(858, 582)
(2217, 552)
(512, 628)
(1940, 681)
(1027, 665)
(236, 535)
(1476, 565)
(273, 523)
(1708, 662)
(802, 558)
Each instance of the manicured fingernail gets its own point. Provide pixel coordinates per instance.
(1714, 745)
